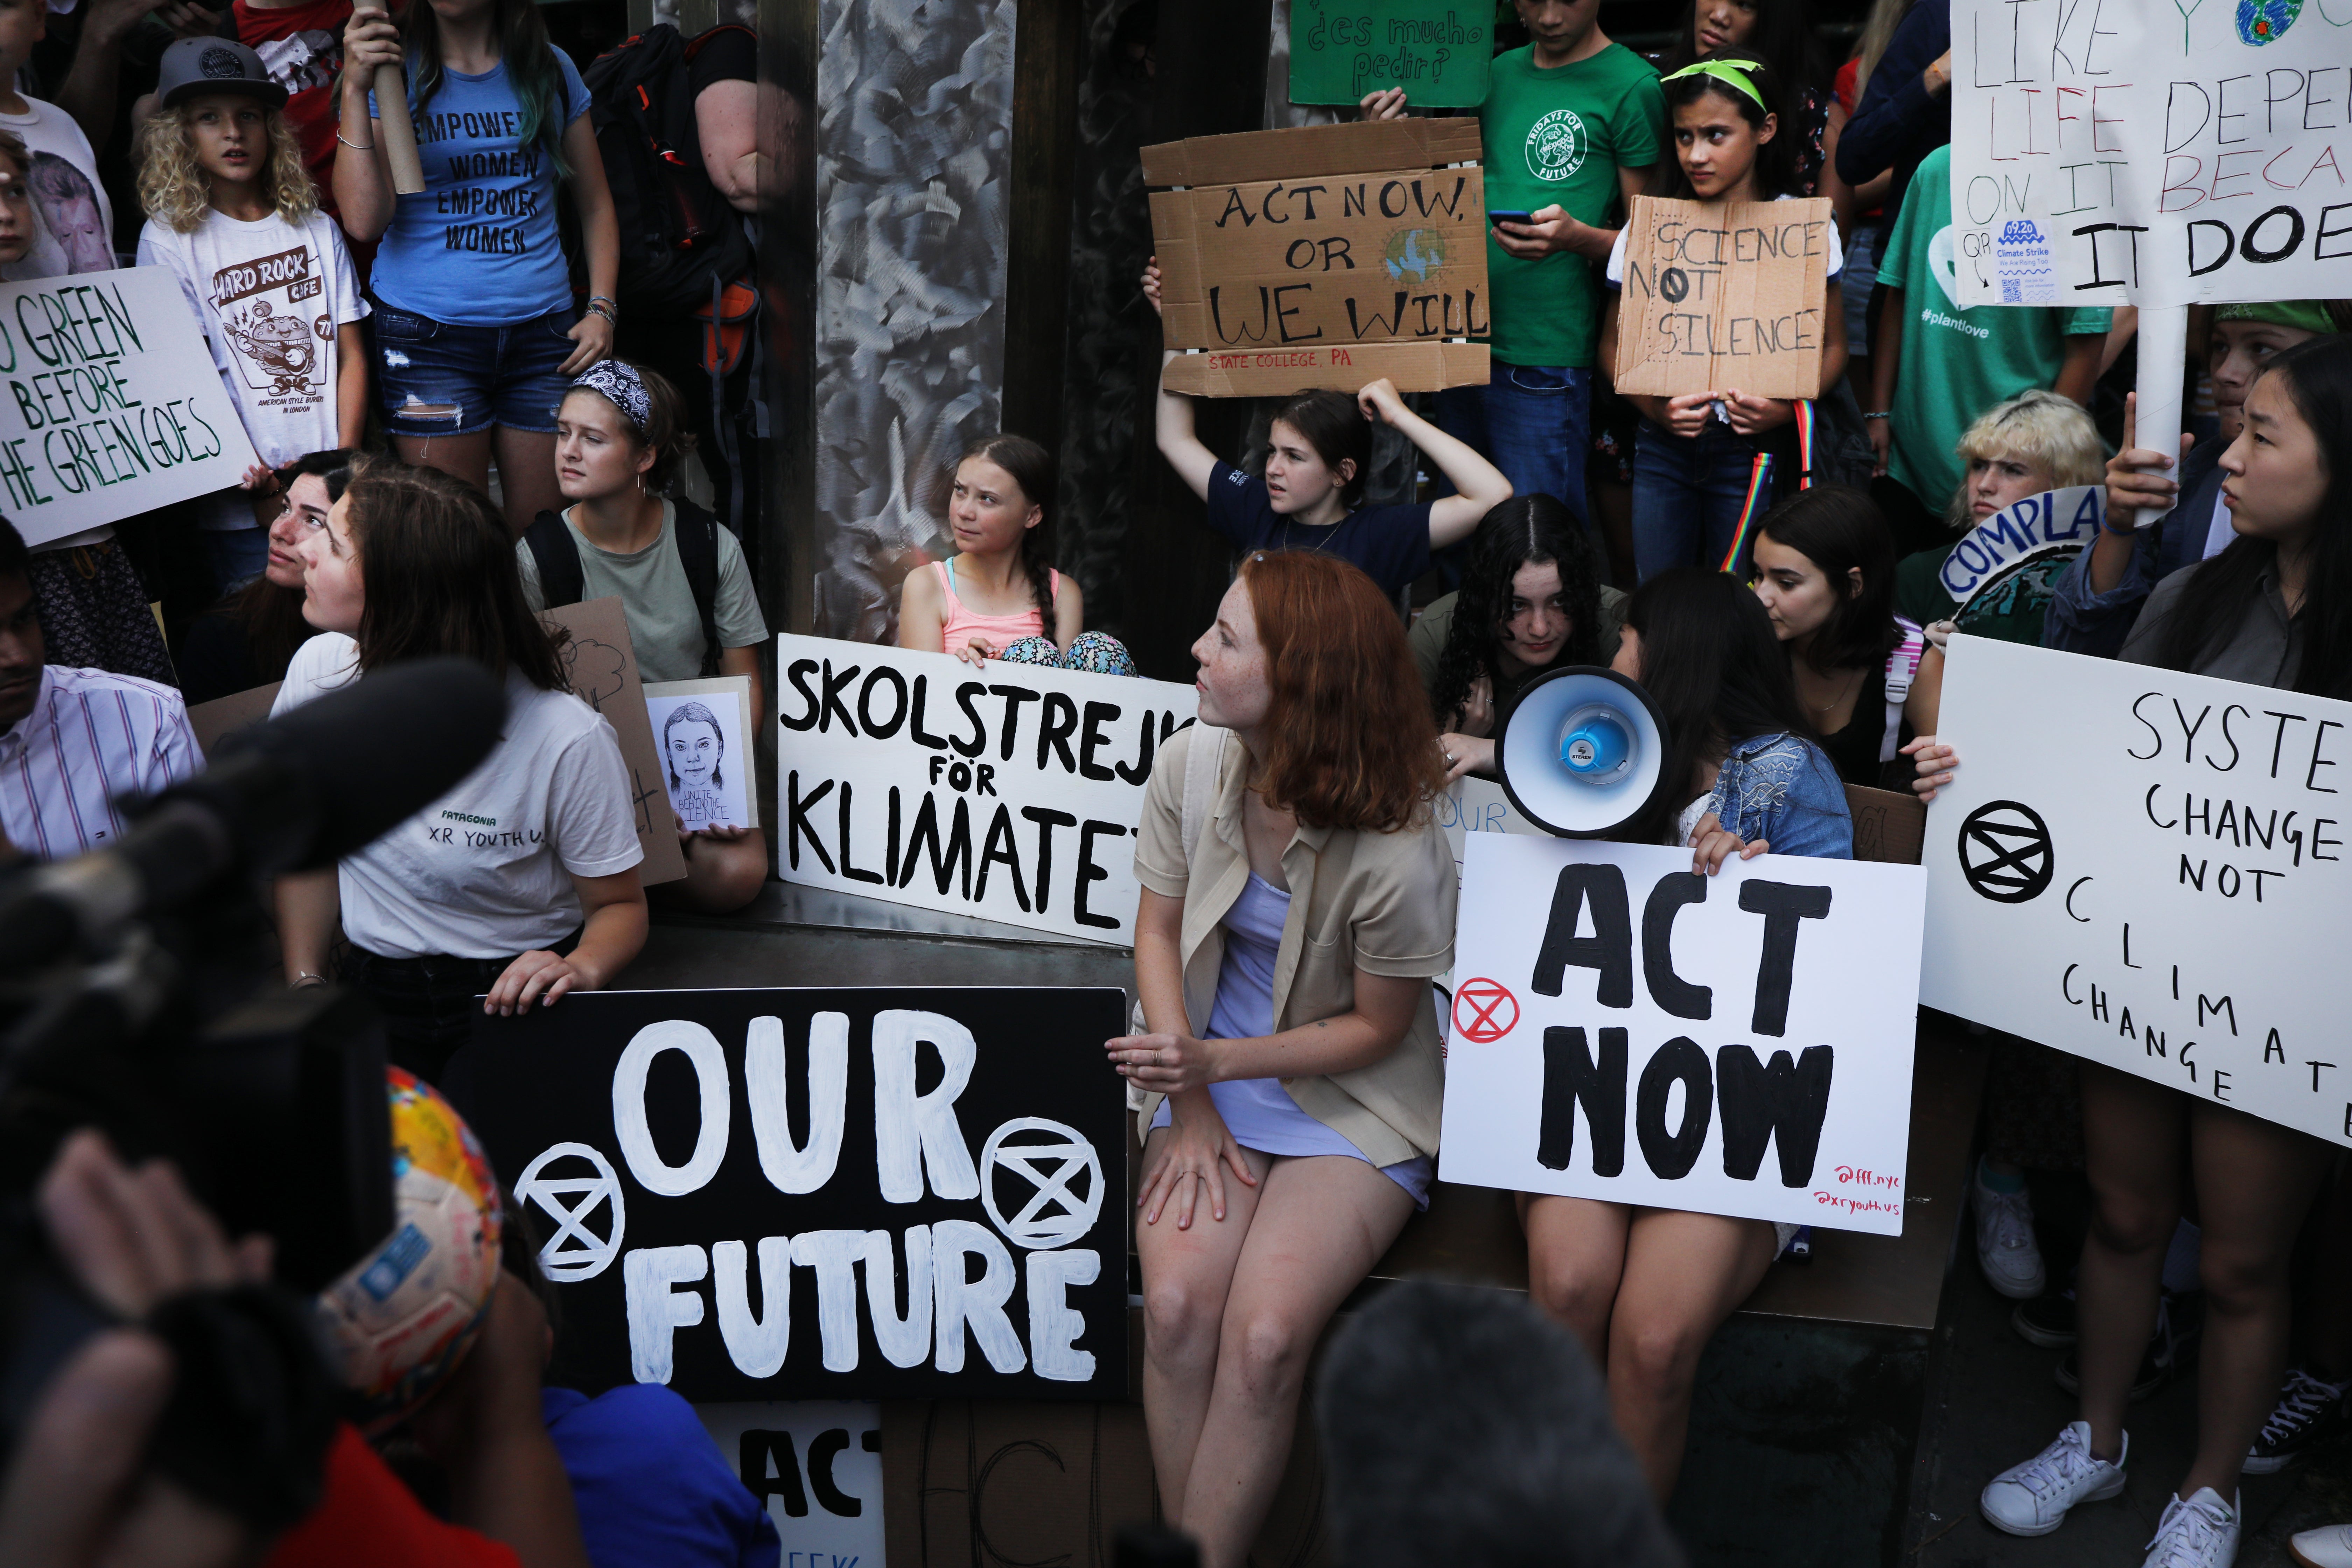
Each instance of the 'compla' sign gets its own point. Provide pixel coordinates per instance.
(820, 1193)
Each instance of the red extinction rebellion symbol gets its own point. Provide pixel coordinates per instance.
(1484, 1011)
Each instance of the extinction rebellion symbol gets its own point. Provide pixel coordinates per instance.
(1483, 1012)
(2005, 852)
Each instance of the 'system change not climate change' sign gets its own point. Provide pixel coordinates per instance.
(2146, 868)
(111, 404)
(1326, 256)
(1720, 295)
(2106, 152)
(1737, 1045)
(1010, 792)
(820, 1193)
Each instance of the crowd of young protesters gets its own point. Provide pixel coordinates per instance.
(1298, 895)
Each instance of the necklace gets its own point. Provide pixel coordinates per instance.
(1842, 692)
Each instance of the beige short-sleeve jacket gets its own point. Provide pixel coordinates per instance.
(1380, 902)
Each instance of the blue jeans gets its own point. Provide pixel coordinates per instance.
(434, 378)
(1533, 422)
(1688, 495)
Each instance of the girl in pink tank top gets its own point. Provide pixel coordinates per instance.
(996, 597)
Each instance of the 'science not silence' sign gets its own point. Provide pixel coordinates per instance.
(821, 1193)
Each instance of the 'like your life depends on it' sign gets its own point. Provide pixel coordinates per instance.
(2106, 152)
(1737, 1044)
(2146, 868)
(1009, 793)
(1724, 294)
(112, 406)
(1326, 256)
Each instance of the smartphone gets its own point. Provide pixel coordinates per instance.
(1494, 217)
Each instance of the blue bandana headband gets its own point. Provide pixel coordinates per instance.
(623, 387)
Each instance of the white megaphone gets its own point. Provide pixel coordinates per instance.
(1581, 752)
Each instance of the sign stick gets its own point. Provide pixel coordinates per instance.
(399, 132)
(2163, 348)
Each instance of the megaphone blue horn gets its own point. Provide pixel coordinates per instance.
(1581, 752)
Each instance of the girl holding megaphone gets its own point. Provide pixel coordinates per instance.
(2272, 609)
(1645, 1288)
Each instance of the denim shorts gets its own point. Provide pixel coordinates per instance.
(434, 378)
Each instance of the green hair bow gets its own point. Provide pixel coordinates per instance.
(1731, 73)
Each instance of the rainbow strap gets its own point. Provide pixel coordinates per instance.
(1759, 484)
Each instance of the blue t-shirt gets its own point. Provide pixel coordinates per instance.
(478, 247)
(650, 1486)
(1389, 542)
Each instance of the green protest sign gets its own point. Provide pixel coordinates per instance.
(1436, 50)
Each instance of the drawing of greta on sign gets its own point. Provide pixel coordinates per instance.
(693, 746)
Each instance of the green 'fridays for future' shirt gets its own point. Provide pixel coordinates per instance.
(1560, 136)
(1958, 360)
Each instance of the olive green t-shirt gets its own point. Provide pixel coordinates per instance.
(1560, 136)
(664, 624)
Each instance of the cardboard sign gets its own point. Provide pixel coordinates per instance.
(113, 406)
(820, 1193)
(1009, 793)
(2147, 869)
(1737, 1044)
(2055, 523)
(1437, 50)
(2149, 155)
(704, 730)
(1326, 256)
(226, 715)
(817, 1465)
(602, 663)
(1724, 294)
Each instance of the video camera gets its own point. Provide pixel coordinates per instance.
(136, 997)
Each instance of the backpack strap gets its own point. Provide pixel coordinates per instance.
(1902, 669)
(698, 551)
(557, 555)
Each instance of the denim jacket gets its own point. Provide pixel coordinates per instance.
(1781, 789)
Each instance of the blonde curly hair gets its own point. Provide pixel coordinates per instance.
(171, 184)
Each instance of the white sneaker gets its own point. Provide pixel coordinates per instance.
(2330, 1547)
(2201, 1533)
(2005, 1245)
(2031, 1499)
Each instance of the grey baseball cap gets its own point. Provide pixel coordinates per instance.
(214, 64)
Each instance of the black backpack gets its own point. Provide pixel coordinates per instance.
(678, 232)
(557, 555)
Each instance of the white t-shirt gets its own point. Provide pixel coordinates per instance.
(1835, 249)
(75, 219)
(269, 295)
(486, 870)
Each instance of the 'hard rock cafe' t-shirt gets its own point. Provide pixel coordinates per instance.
(269, 295)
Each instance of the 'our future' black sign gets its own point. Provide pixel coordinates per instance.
(820, 1193)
